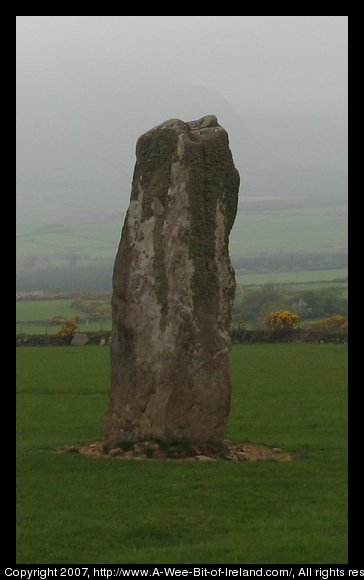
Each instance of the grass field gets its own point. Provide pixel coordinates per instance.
(93, 235)
(72, 508)
(300, 277)
(301, 230)
(30, 329)
(42, 310)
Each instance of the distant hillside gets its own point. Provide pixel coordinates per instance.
(72, 144)
(76, 154)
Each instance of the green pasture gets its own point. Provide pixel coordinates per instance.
(72, 508)
(300, 277)
(29, 328)
(294, 231)
(95, 235)
(43, 310)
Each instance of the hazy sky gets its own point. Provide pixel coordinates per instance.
(89, 86)
(254, 58)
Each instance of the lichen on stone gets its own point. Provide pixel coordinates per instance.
(173, 288)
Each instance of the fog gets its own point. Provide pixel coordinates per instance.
(257, 58)
(89, 86)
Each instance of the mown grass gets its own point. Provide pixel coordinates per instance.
(75, 509)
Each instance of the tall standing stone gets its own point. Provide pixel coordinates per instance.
(173, 288)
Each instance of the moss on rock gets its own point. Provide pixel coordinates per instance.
(173, 289)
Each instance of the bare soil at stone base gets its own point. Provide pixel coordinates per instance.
(152, 450)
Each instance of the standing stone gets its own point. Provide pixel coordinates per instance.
(173, 288)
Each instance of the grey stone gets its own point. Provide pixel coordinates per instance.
(79, 339)
(173, 288)
(231, 457)
(204, 458)
(241, 456)
(116, 451)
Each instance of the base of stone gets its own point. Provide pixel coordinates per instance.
(179, 451)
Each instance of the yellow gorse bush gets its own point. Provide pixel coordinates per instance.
(69, 327)
(282, 320)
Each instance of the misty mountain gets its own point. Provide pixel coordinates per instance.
(307, 184)
(301, 133)
(76, 136)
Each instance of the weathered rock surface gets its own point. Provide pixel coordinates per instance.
(173, 287)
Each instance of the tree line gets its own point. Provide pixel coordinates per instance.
(252, 305)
